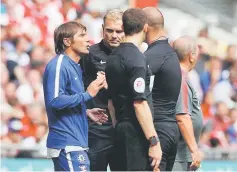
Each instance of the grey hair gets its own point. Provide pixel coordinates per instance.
(115, 14)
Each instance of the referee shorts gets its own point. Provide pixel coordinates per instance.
(72, 161)
(131, 147)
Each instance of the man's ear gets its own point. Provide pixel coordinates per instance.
(67, 42)
(145, 28)
(191, 57)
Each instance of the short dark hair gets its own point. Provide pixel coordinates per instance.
(134, 20)
(66, 30)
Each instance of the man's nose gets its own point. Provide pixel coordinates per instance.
(114, 35)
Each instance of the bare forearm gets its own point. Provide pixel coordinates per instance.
(186, 129)
(144, 117)
(112, 112)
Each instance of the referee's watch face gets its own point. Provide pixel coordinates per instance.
(113, 32)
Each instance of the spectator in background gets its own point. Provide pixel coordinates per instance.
(35, 82)
(6, 112)
(38, 59)
(208, 106)
(93, 21)
(231, 57)
(212, 75)
(13, 137)
(221, 119)
(215, 129)
(4, 75)
(6, 43)
(41, 137)
(204, 56)
(10, 92)
(34, 115)
(13, 59)
(195, 80)
(204, 33)
(231, 132)
(226, 90)
(20, 55)
(69, 10)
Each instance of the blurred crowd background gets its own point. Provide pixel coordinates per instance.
(27, 45)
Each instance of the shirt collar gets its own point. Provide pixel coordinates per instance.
(70, 60)
(164, 41)
(105, 48)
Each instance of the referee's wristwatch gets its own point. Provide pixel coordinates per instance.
(153, 140)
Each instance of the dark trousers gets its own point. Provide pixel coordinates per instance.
(168, 133)
(131, 147)
(99, 161)
(101, 147)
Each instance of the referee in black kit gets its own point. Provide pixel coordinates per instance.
(101, 137)
(164, 64)
(126, 73)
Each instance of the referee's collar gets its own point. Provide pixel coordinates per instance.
(105, 48)
(163, 41)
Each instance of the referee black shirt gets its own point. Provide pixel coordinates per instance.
(91, 64)
(128, 79)
(165, 68)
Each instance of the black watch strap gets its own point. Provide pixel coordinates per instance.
(153, 140)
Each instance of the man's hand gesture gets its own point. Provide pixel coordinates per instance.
(97, 115)
(101, 75)
(96, 85)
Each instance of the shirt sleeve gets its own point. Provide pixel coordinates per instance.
(184, 103)
(137, 75)
(55, 82)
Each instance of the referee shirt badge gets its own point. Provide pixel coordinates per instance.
(139, 85)
(81, 158)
